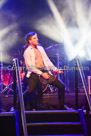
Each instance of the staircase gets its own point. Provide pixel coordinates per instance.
(49, 122)
(54, 122)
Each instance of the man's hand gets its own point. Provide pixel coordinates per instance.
(45, 75)
(59, 71)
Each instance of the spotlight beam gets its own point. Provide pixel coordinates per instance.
(81, 21)
(2, 2)
(63, 34)
(62, 27)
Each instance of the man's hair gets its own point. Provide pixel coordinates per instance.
(28, 36)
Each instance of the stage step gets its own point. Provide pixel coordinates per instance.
(57, 123)
(7, 124)
(52, 116)
(60, 135)
(53, 122)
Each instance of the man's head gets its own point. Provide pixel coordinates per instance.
(31, 38)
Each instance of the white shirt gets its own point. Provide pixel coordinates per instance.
(29, 57)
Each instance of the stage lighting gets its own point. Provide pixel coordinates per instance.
(81, 53)
(69, 25)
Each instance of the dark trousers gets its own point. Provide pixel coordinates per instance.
(34, 83)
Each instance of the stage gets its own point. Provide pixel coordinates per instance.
(50, 101)
(51, 113)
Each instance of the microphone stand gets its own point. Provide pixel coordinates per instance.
(66, 86)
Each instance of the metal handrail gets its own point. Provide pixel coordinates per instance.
(16, 63)
(84, 83)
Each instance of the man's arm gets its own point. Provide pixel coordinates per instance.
(51, 65)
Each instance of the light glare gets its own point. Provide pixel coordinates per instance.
(76, 37)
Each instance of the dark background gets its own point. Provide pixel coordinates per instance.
(25, 15)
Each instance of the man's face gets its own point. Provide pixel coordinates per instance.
(34, 40)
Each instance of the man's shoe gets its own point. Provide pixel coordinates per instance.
(12, 109)
(63, 107)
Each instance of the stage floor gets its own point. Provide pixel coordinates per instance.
(50, 101)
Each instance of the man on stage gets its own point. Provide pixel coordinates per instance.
(39, 65)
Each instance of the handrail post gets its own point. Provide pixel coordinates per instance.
(84, 83)
(76, 85)
(22, 108)
(14, 85)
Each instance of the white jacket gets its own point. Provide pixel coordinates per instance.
(29, 57)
